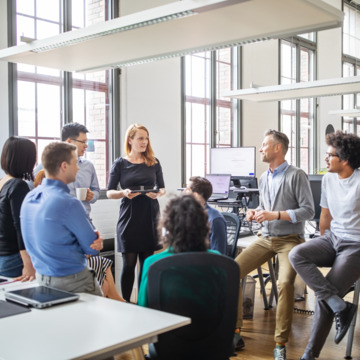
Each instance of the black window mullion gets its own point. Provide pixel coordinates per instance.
(213, 125)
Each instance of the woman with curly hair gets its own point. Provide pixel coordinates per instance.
(183, 227)
(338, 247)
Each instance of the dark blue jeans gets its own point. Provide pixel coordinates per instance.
(11, 265)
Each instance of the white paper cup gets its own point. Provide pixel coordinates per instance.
(81, 193)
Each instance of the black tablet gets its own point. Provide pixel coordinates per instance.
(40, 296)
(145, 191)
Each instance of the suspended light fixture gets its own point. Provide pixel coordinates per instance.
(347, 112)
(175, 29)
(318, 88)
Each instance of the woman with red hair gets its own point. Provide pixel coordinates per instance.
(141, 182)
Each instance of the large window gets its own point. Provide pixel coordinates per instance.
(351, 61)
(210, 119)
(47, 99)
(297, 116)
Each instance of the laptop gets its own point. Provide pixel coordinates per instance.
(221, 186)
(40, 296)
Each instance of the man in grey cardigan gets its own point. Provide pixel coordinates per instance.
(286, 203)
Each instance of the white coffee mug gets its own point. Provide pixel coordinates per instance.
(81, 193)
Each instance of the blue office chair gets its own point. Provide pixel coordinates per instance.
(204, 287)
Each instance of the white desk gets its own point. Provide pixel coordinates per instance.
(90, 328)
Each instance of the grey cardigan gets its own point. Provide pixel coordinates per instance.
(294, 193)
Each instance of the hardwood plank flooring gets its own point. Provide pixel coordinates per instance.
(258, 334)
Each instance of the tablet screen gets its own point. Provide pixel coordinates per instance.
(39, 296)
(145, 191)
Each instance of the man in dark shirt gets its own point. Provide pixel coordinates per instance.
(202, 189)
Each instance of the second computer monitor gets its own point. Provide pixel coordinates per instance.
(237, 161)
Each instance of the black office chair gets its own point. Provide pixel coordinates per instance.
(204, 287)
(233, 225)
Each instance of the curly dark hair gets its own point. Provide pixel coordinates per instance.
(347, 146)
(184, 225)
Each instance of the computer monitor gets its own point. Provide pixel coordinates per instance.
(315, 185)
(239, 161)
(249, 182)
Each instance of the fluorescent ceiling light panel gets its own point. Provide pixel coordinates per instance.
(318, 88)
(175, 29)
(347, 112)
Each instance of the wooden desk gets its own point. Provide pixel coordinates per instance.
(90, 328)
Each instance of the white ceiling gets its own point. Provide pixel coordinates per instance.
(244, 21)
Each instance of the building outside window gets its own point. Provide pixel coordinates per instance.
(47, 98)
(210, 120)
(351, 61)
(297, 117)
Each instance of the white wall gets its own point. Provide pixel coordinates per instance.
(151, 96)
(259, 66)
(329, 64)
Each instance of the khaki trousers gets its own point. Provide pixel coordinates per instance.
(259, 252)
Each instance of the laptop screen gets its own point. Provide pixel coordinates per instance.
(220, 183)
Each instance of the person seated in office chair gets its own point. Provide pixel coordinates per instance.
(202, 190)
(338, 246)
(183, 227)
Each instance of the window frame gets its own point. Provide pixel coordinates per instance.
(302, 43)
(355, 63)
(67, 82)
(214, 103)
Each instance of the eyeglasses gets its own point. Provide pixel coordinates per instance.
(330, 155)
(80, 141)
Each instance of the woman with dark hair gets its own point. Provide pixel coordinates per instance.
(18, 158)
(183, 227)
(139, 210)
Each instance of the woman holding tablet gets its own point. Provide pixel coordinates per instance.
(18, 158)
(141, 180)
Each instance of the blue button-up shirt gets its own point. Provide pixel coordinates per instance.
(56, 230)
(274, 180)
(86, 178)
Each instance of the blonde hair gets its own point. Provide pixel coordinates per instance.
(149, 156)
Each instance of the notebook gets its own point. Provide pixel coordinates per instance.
(40, 296)
(9, 309)
(221, 186)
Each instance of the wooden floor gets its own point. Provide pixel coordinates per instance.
(258, 334)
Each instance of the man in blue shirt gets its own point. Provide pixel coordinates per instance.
(75, 133)
(202, 189)
(56, 229)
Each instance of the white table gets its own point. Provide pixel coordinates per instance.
(90, 328)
